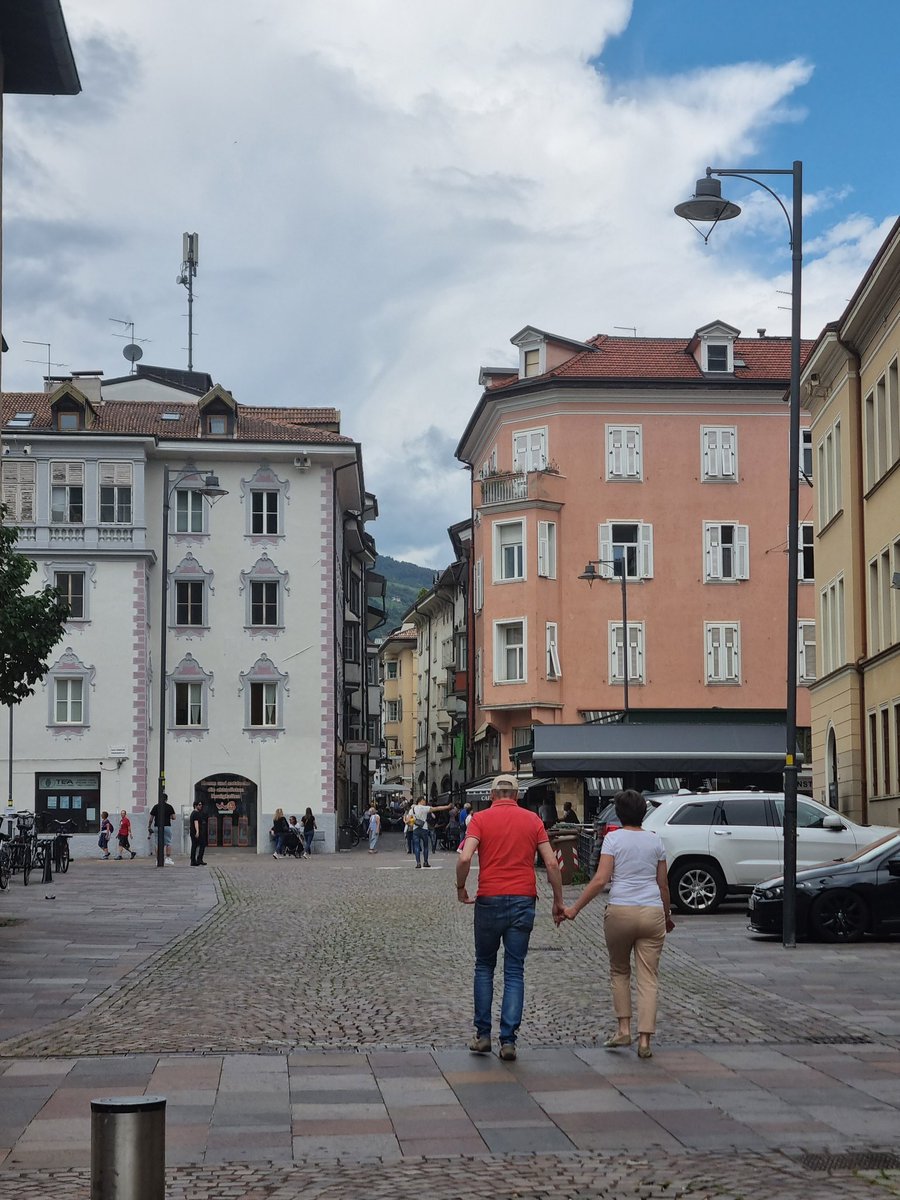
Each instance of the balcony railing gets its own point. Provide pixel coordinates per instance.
(501, 489)
(510, 486)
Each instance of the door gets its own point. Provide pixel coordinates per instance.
(887, 894)
(815, 843)
(745, 841)
(229, 807)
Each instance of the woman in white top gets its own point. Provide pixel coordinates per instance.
(638, 916)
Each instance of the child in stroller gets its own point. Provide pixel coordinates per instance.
(293, 840)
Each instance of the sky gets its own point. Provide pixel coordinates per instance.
(386, 191)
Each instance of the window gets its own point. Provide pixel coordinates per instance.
(264, 602)
(828, 483)
(18, 490)
(392, 668)
(264, 512)
(717, 354)
(554, 670)
(531, 361)
(188, 511)
(635, 652)
(806, 651)
(530, 450)
(189, 704)
(217, 425)
(69, 701)
(489, 466)
(264, 587)
(263, 701)
(831, 602)
(189, 602)
(70, 584)
(68, 422)
(882, 427)
(478, 586)
(509, 551)
(351, 642)
(886, 749)
(623, 452)
(873, 754)
(697, 813)
(719, 452)
(509, 651)
(394, 710)
(726, 552)
(723, 653)
(629, 545)
(353, 590)
(806, 453)
(67, 493)
(806, 567)
(372, 679)
(745, 810)
(522, 735)
(115, 493)
(547, 549)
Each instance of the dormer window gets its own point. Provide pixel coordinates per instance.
(712, 347)
(67, 422)
(531, 363)
(717, 357)
(217, 425)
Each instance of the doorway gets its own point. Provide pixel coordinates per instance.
(229, 805)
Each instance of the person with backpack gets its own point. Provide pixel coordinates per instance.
(106, 832)
(421, 833)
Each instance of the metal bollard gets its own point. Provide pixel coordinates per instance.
(48, 873)
(128, 1148)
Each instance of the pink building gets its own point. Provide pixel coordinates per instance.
(663, 457)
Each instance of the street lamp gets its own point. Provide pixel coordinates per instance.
(212, 492)
(590, 574)
(708, 205)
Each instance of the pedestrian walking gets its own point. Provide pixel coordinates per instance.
(637, 919)
(507, 838)
(421, 833)
(198, 834)
(308, 821)
(164, 818)
(123, 837)
(280, 830)
(106, 831)
(373, 827)
(409, 826)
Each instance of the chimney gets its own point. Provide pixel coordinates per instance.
(761, 330)
(89, 383)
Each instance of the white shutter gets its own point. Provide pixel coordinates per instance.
(731, 652)
(635, 653)
(615, 634)
(554, 671)
(712, 652)
(547, 549)
(114, 474)
(741, 552)
(537, 451)
(478, 586)
(632, 452)
(520, 451)
(606, 551)
(727, 453)
(646, 568)
(478, 677)
(71, 473)
(19, 490)
(614, 453)
(710, 453)
(713, 551)
(806, 651)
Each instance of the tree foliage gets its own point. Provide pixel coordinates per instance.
(31, 623)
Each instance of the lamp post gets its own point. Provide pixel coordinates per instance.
(212, 492)
(708, 205)
(590, 574)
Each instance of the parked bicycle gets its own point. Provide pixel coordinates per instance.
(59, 846)
(348, 836)
(22, 847)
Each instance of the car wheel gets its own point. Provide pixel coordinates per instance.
(696, 887)
(839, 916)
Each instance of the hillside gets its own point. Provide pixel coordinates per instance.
(404, 582)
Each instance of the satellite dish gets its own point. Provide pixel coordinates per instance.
(132, 352)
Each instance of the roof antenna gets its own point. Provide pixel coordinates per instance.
(132, 351)
(190, 251)
(632, 329)
(29, 342)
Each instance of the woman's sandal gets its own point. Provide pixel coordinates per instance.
(617, 1040)
(644, 1052)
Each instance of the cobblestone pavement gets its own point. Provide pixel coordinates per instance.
(312, 1019)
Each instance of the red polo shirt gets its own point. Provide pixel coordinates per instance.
(508, 838)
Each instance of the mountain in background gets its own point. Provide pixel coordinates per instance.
(404, 582)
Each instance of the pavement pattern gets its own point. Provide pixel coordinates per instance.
(306, 1022)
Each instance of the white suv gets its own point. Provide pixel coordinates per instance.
(722, 843)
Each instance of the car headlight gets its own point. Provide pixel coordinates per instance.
(771, 893)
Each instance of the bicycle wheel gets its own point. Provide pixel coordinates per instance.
(64, 855)
(4, 869)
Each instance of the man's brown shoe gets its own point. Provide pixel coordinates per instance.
(480, 1045)
(508, 1052)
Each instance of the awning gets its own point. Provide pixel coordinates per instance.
(669, 748)
(482, 731)
(482, 791)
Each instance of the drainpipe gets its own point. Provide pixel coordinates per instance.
(858, 534)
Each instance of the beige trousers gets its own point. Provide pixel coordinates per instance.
(642, 929)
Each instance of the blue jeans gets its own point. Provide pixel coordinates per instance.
(308, 835)
(421, 842)
(506, 919)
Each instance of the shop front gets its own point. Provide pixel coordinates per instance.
(74, 798)
(229, 805)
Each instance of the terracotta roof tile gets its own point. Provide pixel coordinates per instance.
(145, 417)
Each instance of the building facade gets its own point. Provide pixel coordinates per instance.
(851, 389)
(236, 669)
(664, 461)
(399, 671)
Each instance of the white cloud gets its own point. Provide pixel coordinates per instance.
(385, 191)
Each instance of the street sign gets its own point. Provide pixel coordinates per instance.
(356, 747)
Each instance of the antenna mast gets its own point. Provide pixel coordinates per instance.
(191, 254)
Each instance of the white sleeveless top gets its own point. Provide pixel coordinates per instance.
(635, 854)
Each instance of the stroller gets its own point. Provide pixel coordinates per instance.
(292, 843)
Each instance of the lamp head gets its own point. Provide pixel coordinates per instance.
(211, 489)
(707, 203)
(589, 573)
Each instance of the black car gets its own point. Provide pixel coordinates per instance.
(838, 902)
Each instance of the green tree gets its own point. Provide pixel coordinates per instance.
(31, 623)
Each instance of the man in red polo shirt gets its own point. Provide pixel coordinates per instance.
(507, 838)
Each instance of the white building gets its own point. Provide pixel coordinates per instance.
(264, 605)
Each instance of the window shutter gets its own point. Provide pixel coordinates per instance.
(710, 453)
(520, 451)
(538, 451)
(742, 552)
(67, 473)
(543, 547)
(614, 644)
(478, 585)
(615, 452)
(712, 652)
(646, 532)
(730, 654)
(478, 677)
(632, 452)
(19, 490)
(713, 536)
(115, 474)
(636, 643)
(727, 453)
(606, 551)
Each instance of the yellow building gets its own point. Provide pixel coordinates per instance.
(851, 387)
(399, 668)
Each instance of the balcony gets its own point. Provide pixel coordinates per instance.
(456, 682)
(514, 487)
